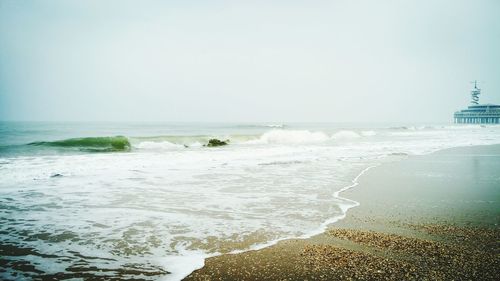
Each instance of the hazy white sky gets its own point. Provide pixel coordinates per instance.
(333, 61)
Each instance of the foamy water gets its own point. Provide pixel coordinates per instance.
(166, 203)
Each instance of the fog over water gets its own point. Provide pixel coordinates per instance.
(255, 61)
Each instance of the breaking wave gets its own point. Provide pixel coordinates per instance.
(343, 135)
(368, 133)
(176, 142)
(90, 144)
(290, 137)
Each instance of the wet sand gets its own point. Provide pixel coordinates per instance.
(432, 217)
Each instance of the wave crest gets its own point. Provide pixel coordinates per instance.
(343, 135)
(368, 133)
(290, 137)
(91, 144)
(158, 145)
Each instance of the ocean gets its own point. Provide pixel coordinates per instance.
(150, 201)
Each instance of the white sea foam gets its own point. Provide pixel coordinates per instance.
(368, 133)
(177, 206)
(290, 137)
(157, 145)
(345, 135)
(185, 262)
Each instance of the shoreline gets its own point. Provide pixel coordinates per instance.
(348, 226)
(321, 229)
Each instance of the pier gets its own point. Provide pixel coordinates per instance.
(478, 113)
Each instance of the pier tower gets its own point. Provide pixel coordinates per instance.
(478, 113)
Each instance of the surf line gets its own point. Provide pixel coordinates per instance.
(344, 207)
(322, 228)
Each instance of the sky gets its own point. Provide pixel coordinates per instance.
(246, 61)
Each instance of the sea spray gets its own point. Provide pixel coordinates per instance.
(290, 137)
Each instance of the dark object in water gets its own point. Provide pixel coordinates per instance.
(216, 142)
(56, 175)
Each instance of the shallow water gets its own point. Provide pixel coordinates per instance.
(164, 202)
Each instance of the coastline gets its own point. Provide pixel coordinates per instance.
(427, 210)
(200, 259)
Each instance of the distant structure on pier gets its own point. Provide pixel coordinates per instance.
(478, 113)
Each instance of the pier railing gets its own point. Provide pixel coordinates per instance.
(493, 114)
(490, 117)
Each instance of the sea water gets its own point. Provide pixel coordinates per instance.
(151, 201)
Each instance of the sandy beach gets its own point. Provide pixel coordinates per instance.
(432, 217)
